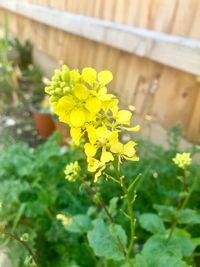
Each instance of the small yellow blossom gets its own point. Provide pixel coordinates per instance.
(182, 160)
(72, 171)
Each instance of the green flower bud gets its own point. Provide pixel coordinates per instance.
(58, 90)
(62, 84)
(48, 89)
(65, 76)
(66, 90)
(65, 68)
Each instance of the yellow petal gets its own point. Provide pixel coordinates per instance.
(103, 133)
(106, 156)
(90, 150)
(91, 134)
(123, 117)
(64, 117)
(77, 117)
(98, 174)
(102, 91)
(81, 91)
(65, 103)
(132, 129)
(90, 116)
(93, 164)
(129, 149)
(132, 158)
(110, 104)
(76, 135)
(89, 75)
(116, 147)
(105, 77)
(93, 104)
(114, 137)
(74, 75)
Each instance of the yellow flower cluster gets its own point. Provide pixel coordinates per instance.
(81, 100)
(182, 160)
(72, 171)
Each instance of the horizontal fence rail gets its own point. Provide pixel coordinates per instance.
(171, 50)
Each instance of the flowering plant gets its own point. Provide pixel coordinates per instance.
(81, 100)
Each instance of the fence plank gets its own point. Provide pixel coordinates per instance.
(175, 51)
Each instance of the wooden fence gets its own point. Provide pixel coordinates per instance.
(151, 46)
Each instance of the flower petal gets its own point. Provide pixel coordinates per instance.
(76, 135)
(65, 103)
(89, 75)
(116, 147)
(98, 174)
(90, 150)
(129, 149)
(106, 156)
(123, 117)
(74, 75)
(102, 132)
(93, 164)
(105, 76)
(132, 129)
(77, 117)
(81, 91)
(91, 134)
(93, 104)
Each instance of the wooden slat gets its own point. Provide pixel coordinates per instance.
(175, 51)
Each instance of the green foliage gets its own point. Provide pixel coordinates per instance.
(152, 223)
(33, 191)
(79, 224)
(103, 241)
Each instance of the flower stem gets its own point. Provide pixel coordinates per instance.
(26, 247)
(183, 203)
(130, 208)
(103, 206)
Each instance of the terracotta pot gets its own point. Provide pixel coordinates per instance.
(44, 123)
(63, 129)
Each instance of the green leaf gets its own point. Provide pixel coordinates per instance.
(103, 240)
(161, 261)
(79, 224)
(184, 241)
(167, 213)
(158, 245)
(152, 223)
(189, 216)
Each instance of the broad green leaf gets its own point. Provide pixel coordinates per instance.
(158, 245)
(79, 224)
(103, 240)
(152, 223)
(140, 261)
(159, 261)
(184, 241)
(167, 213)
(189, 216)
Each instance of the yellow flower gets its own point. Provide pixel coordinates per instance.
(182, 160)
(81, 100)
(72, 171)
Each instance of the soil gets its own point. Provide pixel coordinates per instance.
(16, 125)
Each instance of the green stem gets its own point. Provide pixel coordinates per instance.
(26, 247)
(130, 209)
(182, 204)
